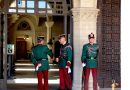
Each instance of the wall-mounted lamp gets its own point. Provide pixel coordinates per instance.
(26, 36)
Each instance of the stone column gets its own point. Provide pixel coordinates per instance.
(49, 25)
(65, 25)
(84, 22)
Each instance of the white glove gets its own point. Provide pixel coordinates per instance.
(83, 64)
(37, 68)
(39, 65)
(69, 70)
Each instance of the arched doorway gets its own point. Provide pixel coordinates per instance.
(43, 9)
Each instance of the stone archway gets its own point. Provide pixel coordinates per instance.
(28, 32)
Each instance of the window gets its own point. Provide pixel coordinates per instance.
(21, 3)
(41, 4)
(38, 6)
(30, 4)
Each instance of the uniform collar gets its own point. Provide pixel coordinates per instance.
(65, 44)
(91, 44)
(39, 44)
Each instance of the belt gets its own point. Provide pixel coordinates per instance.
(41, 59)
(92, 58)
(44, 59)
(63, 57)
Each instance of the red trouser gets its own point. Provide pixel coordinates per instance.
(65, 79)
(94, 74)
(42, 75)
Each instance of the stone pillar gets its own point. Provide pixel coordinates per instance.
(49, 25)
(65, 25)
(84, 22)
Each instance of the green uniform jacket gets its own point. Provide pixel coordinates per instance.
(39, 54)
(89, 55)
(65, 55)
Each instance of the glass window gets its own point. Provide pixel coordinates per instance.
(21, 10)
(21, 3)
(42, 11)
(30, 10)
(30, 4)
(49, 11)
(41, 4)
(12, 10)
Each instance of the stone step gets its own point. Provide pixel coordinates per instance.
(31, 81)
(32, 66)
(23, 61)
(31, 74)
(22, 69)
(29, 86)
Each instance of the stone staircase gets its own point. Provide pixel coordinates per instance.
(25, 78)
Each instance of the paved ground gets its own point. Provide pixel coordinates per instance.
(25, 78)
(28, 87)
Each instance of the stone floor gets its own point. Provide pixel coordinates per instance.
(25, 78)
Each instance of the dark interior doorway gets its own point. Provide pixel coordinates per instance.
(21, 49)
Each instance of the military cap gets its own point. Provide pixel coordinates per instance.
(62, 35)
(91, 35)
(40, 38)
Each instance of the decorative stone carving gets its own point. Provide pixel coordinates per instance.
(24, 25)
(88, 13)
(76, 14)
(84, 14)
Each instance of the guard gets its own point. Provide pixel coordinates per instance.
(40, 60)
(89, 61)
(65, 59)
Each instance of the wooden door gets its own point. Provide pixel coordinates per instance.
(109, 61)
(21, 50)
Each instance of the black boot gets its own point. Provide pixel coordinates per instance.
(69, 89)
(60, 89)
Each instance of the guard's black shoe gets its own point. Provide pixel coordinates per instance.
(60, 89)
(69, 89)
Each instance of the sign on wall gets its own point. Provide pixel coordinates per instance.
(10, 49)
